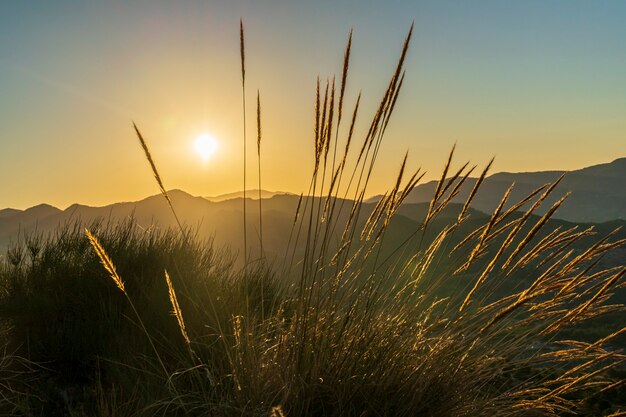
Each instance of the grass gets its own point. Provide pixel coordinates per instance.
(352, 323)
(243, 100)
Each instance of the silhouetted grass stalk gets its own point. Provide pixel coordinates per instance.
(157, 177)
(243, 99)
(258, 149)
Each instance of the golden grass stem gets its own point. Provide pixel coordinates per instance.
(243, 99)
(110, 268)
(176, 311)
(258, 148)
(144, 146)
(105, 260)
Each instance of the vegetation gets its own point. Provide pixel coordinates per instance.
(122, 321)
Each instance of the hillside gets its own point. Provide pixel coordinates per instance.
(222, 221)
(598, 192)
(252, 194)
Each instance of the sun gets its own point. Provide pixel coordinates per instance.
(205, 146)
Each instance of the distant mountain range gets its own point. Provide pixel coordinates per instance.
(222, 221)
(252, 194)
(598, 192)
(598, 195)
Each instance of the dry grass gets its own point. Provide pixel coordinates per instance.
(243, 99)
(107, 263)
(258, 149)
(157, 177)
(176, 311)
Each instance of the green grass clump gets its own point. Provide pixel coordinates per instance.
(135, 322)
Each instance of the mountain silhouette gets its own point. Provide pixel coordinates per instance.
(597, 197)
(252, 194)
(222, 221)
(598, 193)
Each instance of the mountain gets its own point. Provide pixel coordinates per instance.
(13, 222)
(222, 221)
(39, 211)
(8, 212)
(252, 194)
(598, 193)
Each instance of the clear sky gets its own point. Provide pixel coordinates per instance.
(539, 84)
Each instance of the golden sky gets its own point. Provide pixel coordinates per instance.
(540, 85)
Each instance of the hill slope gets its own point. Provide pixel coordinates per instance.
(222, 221)
(598, 192)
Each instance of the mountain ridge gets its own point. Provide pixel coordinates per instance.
(222, 222)
(598, 196)
(598, 191)
(252, 194)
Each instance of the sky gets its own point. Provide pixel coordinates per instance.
(540, 85)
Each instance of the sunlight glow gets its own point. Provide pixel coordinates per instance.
(205, 146)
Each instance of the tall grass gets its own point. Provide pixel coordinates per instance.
(258, 149)
(243, 99)
(460, 318)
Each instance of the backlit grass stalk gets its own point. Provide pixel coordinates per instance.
(243, 99)
(106, 262)
(176, 311)
(157, 177)
(258, 150)
(375, 135)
